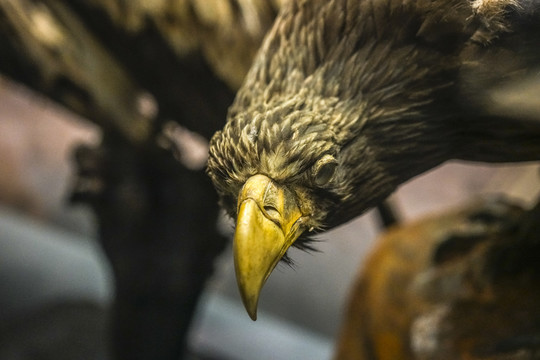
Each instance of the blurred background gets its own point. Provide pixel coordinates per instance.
(111, 242)
(57, 286)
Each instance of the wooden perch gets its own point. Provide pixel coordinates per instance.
(459, 285)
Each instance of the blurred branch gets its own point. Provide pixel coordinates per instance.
(228, 33)
(103, 59)
(51, 50)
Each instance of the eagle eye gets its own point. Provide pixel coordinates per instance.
(324, 169)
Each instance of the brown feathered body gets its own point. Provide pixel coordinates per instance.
(459, 285)
(387, 88)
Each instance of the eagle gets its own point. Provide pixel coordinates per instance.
(348, 99)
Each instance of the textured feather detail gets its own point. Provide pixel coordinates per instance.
(389, 88)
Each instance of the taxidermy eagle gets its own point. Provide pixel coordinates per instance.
(348, 99)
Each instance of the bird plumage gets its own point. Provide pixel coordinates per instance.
(375, 84)
(383, 90)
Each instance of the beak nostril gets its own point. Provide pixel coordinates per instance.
(271, 210)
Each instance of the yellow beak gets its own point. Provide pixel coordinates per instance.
(269, 221)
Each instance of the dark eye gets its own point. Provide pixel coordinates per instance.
(324, 169)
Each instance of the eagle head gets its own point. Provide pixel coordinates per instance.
(287, 169)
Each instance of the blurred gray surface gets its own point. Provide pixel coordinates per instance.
(223, 330)
(42, 265)
(45, 270)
